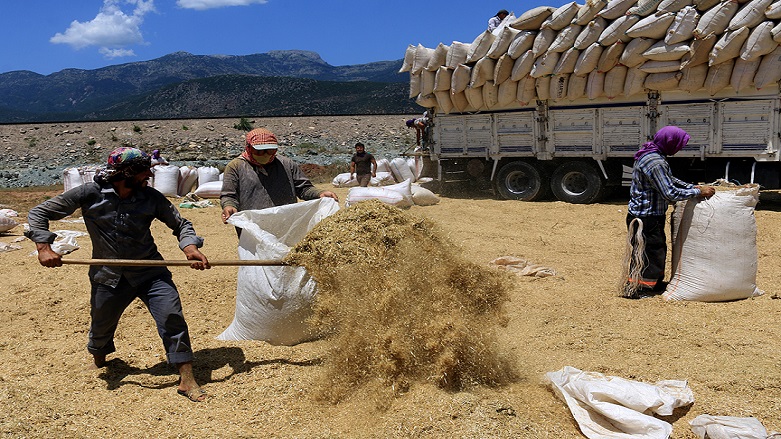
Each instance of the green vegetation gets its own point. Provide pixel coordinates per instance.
(136, 129)
(243, 125)
(185, 128)
(91, 142)
(32, 142)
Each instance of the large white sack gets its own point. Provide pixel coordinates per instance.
(558, 86)
(714, 255)
(718, 77)
(610, 56)
(475, 97)
(400, 170)
(456, 54)
(480, 46)
(444, 102)
(438, 58)
(460, 78)
(693, 78)
(588, 11)
(743, 74)
(760, 42)
(7, 223)
(522, 42)
(207, 174)
(383, 165)
(502, 42)
(387, 196)
(383, 178)
(211, 189)
(74, 177)
(490, 95)
(654, 26)
(421, 59)
(344, 180)
(616, 31)
(632, 56)
(403, 189)
(728, 427)
(274, 302)
(590, 33)
(662, 51)
(414, 84)
(635, 81)
(699, 51)
(769, 71)
(188, 176)
(750, 14)
(522, 66)
(507, 94)
(527, 92)
(442, 79)
(503, 69)
(588, 59)
(166, 179)
(616, 8)
(562, 16)
(609, 407)
(427, 80)
(566, 38)
(567, 62)
(544, 64)
(716, 20)
(533, 18)
(614, 81)
(543, 40)
(422, 196)
(728, 47)
(673, 5)
(576, 87)
(644, 7)
(542, 87)
(683, 26)
(409, 55)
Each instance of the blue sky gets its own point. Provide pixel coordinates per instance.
(46, 36)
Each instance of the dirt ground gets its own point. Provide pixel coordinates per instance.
(728, 352)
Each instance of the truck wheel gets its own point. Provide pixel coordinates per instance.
(521, 181)
(577, 182)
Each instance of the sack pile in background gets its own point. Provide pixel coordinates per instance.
(603, 49)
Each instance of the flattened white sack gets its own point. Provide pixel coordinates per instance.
(714, 255)
(273, 303)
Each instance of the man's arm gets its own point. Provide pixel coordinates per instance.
(374, 167)
(51, 210)
(352, 169)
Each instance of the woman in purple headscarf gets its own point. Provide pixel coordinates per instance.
(653, 188)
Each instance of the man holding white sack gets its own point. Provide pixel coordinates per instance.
(259, 178)
(653, 188)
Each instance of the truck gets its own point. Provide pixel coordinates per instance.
(580, 152)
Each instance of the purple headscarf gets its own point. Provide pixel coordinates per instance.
(667, 142)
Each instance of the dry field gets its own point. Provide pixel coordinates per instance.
(729, 353)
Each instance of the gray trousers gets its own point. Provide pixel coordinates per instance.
(161, 299)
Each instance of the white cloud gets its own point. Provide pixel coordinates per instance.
(110, 28)
(201, 5)
(116, 53)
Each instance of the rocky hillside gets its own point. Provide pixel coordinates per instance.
(36, 154)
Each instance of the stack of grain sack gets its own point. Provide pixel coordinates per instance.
(170, 180)
(603, 49)
(397, 183)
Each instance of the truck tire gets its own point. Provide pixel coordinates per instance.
(522, 181)
(577, 182)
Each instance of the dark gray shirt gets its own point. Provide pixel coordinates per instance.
(119, 228)
(249, 187)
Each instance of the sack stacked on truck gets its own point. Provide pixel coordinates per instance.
(714, 255)
(603, 49)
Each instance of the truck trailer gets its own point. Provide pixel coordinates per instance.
(578, 152)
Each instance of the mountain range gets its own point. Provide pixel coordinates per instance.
(183, 85)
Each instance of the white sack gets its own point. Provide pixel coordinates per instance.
(608, 407)
(400, 170)
(273, 303)
(211, 189)
(383, 165)
(714, 255)
(344, 180)
(74, 177)
(7, 223)
(727, 427)
(383, 178)
(422, 196)
(166, 179)
(188, 176)
(403, 189)
(387, 196)
(207, 174)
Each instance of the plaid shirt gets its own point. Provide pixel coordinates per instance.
(653, 187)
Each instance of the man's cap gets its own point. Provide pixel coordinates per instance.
(261, 138)
(125, 156)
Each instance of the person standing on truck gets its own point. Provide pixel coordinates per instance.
(496, 20)
(362, 165)
(653, 188)
(420, 125)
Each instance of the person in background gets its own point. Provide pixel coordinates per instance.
(496, 20)
(259, 178)
(653, 188)
(157, 159)
(118, 209)
(420, 125)
(362, 165)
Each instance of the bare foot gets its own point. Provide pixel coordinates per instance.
(195, 394)
(98, 361)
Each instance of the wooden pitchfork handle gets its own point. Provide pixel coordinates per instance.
(163, 263)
